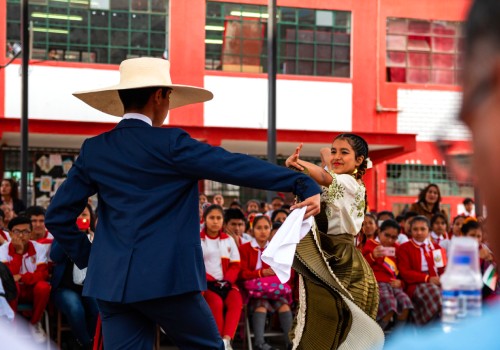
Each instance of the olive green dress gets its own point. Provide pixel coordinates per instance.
(338, 293)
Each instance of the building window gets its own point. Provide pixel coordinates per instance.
(310, 42)
(101, 31)
(423, 52)
(409, 179)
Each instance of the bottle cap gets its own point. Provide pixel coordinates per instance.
(461, 259)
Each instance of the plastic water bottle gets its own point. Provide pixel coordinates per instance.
(461, 283)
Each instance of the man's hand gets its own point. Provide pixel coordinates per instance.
(312, 203)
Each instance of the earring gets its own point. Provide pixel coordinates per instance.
(355, 171)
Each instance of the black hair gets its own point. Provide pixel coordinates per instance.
(420, 218)
(386, 212)
(92, 217)
(482, 23)
(389, 223)
(458, 217)
(410, 214)
(2, 214)
(400, 218)
(423, 192)
(233, 213)
(360, 147)
(276, 225)
(261, 217)
(468, 201)
(469, 225)
(14, 193)
(19, 220)
(373, 217)
(442, 216)
(211, 208)
(276, 212)
(137, 98)
(34, 210)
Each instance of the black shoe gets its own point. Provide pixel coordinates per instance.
(264, 346)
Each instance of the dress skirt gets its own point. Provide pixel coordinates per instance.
(338, 295)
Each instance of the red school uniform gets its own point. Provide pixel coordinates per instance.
(385, 268)
(410, 264)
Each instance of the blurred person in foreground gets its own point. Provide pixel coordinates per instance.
(480, 112)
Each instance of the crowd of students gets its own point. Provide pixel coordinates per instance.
(406, 252)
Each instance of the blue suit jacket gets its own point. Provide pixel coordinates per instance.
(147, 241)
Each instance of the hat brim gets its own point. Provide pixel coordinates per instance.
(108, 101)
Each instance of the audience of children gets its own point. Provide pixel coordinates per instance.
(420, 263)
(382, 254)
(222, 264)
(266, 293)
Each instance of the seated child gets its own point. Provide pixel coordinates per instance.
(471, 228)
(393, 300)
(27, 261)
(420, 263)
(255, 272)
(222, 264)
(439, 226)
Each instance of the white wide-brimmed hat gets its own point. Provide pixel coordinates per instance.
(137, 73)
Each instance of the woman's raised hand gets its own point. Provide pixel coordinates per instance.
(293, 160)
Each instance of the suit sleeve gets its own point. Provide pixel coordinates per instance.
(196, 159)
(67, 204)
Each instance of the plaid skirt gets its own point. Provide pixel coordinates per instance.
(426, 302)
(391, 299)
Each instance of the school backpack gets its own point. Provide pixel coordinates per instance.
(9, 285)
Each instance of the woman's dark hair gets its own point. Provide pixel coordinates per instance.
(388, 224)
(92, 217)
(420, 218)
(423, 192)
(470, 225)
(137, 98)
(276, 212)
(262, 217)
(360, 147)
(14, 194)
(438, 216)
(212, 208)
(483, 24)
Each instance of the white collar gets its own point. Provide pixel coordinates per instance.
(426, 242)
(254, 243)
(139, 117)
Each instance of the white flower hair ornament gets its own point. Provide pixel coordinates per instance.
(369, 163)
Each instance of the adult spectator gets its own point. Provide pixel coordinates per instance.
(9, 196)
(428, 203)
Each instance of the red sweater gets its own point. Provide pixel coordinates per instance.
(381, 266)
(410, 266)
(249, 256)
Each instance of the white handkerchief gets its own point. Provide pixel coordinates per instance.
(281, 250)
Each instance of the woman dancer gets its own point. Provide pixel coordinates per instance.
(338, 293)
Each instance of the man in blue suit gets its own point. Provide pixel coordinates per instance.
(146, 265)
